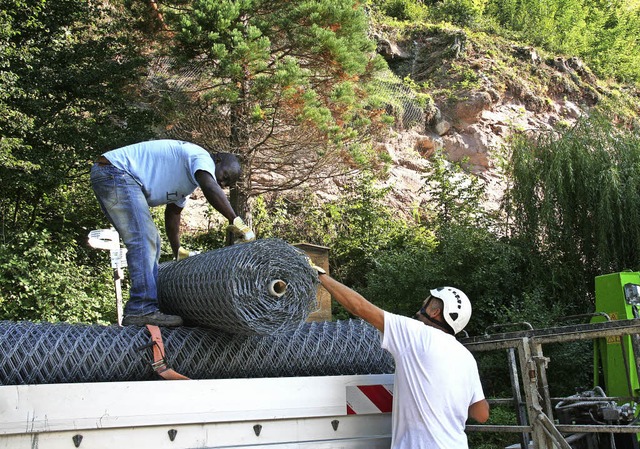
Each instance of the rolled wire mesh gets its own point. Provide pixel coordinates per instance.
(71, 353)
(232, 289)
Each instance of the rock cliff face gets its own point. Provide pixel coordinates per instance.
(481, 90)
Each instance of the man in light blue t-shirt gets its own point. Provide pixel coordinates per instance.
(128, 181)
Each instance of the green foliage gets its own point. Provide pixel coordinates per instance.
(363, 227)
(358, 227)
(613, 48)
(459, 12)
(457, 195)
(559, 25)
(469, 258)
(462, 252)
(43, 278)
(213, 238)
(468, 254)
(575, 200)
(500, 416)
(566, 380)
(604, 33)
(65, 95)
(283, 81)
(406, 10)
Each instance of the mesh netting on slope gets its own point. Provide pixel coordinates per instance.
(262, 287)
(70, 353)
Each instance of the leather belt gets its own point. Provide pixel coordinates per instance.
(102, 161)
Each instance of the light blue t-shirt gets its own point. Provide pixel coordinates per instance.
(165, 169)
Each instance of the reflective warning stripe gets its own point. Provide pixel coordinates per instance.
(366, 399)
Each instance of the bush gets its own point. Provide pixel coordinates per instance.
(459, 12)
(407, 10)
(472, 259)
(358, 226)
(41, 280)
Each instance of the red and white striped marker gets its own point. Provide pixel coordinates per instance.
(367, 399)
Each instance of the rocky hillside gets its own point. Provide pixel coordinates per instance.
(484, 89)
(481, 89)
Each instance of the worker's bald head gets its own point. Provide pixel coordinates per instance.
(228, 168)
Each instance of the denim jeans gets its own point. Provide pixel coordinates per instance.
(123, 202)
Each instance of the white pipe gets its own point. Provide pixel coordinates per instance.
(277, 288)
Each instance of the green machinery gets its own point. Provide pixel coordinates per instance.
(618, 298)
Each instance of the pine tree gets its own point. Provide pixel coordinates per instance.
(279, 85)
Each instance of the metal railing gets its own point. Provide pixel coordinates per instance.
(536, 423)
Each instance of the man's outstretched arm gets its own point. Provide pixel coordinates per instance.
(354, 302)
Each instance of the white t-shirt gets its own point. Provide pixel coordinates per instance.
(165, 169)
(436, 380)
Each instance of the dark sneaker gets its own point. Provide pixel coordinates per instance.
(156, 318)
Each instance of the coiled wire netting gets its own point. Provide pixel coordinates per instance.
(47, 353)
(261, 287)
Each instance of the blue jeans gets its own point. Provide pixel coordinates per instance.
(123, 202)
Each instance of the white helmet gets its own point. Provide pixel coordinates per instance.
(457, 307)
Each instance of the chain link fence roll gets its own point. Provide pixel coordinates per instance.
(262, 287)
(46, 353)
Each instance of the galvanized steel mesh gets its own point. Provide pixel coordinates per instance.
(261, 287)
(47, 353)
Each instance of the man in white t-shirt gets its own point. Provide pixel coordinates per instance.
(436, 384)
(128, 181)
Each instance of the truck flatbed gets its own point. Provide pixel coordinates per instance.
(294, 412)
